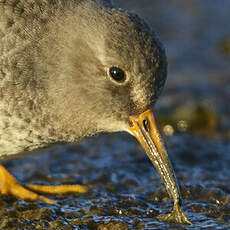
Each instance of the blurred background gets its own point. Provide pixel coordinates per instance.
(193, 114)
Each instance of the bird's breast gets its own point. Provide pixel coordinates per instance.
(18, 135)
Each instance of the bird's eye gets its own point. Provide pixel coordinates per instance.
(117, 74)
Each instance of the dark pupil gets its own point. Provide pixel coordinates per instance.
(117, 74)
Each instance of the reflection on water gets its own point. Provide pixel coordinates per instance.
(193, 113)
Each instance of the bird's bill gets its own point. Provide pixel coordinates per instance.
(145, 130)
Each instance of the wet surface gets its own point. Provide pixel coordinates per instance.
(193, 113)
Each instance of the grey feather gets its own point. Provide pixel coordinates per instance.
(54, 61)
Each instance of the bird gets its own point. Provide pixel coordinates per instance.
(72, 69)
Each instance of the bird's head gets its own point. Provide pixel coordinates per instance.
(111, 67)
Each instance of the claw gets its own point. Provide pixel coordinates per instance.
(10, 186)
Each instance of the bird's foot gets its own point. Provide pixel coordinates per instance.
(10, 186)
(176, 216)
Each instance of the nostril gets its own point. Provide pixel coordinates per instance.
(146, 124)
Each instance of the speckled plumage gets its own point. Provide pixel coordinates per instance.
(54, 60)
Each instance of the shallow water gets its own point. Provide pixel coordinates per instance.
(125, 191)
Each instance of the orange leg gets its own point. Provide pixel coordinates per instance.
(10, 186)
